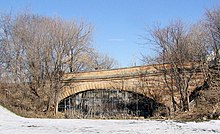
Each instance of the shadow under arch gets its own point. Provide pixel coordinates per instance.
(110, 103)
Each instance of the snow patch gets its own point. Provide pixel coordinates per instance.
(11, 123)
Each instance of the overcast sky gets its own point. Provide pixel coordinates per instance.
(118, 24)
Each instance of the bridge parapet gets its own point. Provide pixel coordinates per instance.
(111, 74)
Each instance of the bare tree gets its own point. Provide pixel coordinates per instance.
(38, 50)
(99, 61)
(178, 58)
(102, 61)
(212, 26)
(212, 23)
(6, 44)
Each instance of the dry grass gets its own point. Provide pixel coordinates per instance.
(22, 102)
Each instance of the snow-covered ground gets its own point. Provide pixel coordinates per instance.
(13, 124)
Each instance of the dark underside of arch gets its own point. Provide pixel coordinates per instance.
(104, 103)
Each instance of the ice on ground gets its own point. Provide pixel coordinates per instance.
(13, 124)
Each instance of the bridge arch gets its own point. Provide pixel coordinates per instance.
(111, 85)
(109, 103)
